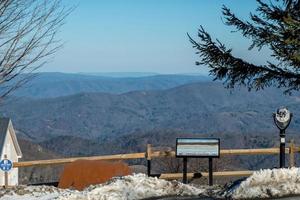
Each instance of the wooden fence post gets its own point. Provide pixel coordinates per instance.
(148, 156)
(292, 153)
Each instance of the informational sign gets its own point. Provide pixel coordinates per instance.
(6, 165)
(198, 147)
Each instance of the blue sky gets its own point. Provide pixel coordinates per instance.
(145, 35)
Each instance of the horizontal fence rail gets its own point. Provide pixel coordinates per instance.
(205, 174)
(69, 160)
(155, 154)
(223, 152)
(150, 154)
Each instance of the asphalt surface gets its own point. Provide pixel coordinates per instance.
(180, 198)
(208, 198)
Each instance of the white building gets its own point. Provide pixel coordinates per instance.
(9, 146)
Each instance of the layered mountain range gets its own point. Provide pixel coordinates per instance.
(73, 115)
(202, 107)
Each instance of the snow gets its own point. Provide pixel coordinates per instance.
(269, 184)
(262, 184)
(131, 187)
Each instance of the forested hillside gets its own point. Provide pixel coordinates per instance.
(47, 85)
(97, 123)
(195, 108)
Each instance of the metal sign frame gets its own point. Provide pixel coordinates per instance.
(198, 156)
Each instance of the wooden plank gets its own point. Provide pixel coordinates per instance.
(296, 149)
(153, 155)
(251, 151)
(264, 151)
(157, 154)
(205, 174)
(175, 176)
(230, 173)
(292, 154)
(68, 160)
(149, 152)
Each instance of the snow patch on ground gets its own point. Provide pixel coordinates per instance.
(133, 187)
(269, 184)
(262, 184)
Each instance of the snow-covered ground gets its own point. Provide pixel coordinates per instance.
(269, 184)
(133, 187)
(262, 184)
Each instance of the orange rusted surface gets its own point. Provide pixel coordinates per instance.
(82, 173)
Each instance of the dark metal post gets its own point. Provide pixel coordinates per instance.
(148, 156)
(5, 175)
(282, 149)
(210, 171)
(184, 171)
(149, 167)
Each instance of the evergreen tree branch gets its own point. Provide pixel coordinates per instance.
(276, 25)
(235, 71)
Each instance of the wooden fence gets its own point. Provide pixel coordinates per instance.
(149, 155)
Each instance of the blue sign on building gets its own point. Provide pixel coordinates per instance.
(6, 165)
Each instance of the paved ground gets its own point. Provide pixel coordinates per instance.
(207, 198)
(179, 198)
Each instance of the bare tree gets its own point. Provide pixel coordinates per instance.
(28, 30)
(168, 165)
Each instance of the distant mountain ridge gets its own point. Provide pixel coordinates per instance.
(62, 115)
(49, 85)
(196, 108)
(120, 74)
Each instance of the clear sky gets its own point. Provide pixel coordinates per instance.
(145, 35)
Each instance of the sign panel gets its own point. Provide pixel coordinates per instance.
(6, 165)
(198, 147)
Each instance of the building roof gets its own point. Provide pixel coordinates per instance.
(5, 125)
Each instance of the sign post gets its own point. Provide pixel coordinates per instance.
(210, 171)
(184, 170)
(6, 165)
(198, 148)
